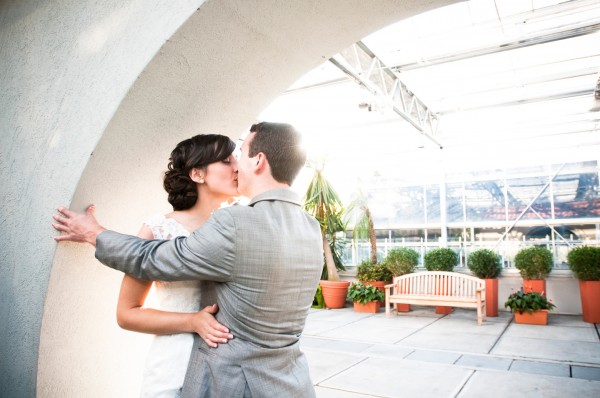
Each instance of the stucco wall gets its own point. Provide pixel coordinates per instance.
(94, 96)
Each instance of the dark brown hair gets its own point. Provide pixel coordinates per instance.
(196, 152)
(282, 145)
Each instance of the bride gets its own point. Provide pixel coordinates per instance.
(201, 176)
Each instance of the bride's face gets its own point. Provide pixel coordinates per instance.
(221, 178)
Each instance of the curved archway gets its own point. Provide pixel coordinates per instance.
(221, 67)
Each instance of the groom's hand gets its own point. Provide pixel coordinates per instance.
(77, 227)
(207, 327)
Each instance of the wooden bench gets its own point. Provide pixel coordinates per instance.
(437, 288)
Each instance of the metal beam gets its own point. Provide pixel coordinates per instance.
(366, 69)
(532, 40)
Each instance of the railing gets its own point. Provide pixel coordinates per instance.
(506, 249)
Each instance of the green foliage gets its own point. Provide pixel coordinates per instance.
(322, 201)
(359, 293)
(485, 264)
(584, 261)
(401, 261)
(318, 301)
(534, 262)
(364, 228)
(369, 272)
(440, 259)
(528, 302)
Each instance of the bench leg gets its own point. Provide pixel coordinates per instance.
(387, 307)
(480, 313)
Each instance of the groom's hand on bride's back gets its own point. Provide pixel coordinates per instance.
(77, 227)
(208, 328)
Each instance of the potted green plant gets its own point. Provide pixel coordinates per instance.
(584, 261)
(441, 259)
(322, 201)
(401, 261)
(366, 298)
(534, 263)
(485, 264)
(529, 307)
(376, 275)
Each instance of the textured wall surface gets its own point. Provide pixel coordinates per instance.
(94, 97)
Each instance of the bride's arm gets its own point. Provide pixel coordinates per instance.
(132, 316)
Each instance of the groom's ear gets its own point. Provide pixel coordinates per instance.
(261, 163)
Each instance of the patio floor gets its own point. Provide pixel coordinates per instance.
(422, 354)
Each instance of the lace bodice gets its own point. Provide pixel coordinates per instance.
(174, 296)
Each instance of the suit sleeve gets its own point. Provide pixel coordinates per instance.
(207, 254)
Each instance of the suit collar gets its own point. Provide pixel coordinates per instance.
(283, 195)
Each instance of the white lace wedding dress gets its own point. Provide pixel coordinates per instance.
(169, 355)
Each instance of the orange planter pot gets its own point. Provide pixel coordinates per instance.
(535, 285)
(404, 307)
(589, 292)
(334, 293)
(535, 318)
(442, 309)
(380, 285)
(371, 306)
(491, 297)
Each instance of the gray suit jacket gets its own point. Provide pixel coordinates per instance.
(261, 263)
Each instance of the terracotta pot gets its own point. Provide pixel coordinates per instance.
(535, 318)
(380, 285)
(535, 285)
(401, 306)
(589, 292)
(491, 297)
(334, 293)
(371, 306)
(442, 309)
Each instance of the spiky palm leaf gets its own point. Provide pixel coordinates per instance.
(322, 201)
(363, 222)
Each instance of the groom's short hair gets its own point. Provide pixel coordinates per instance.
(282, 145)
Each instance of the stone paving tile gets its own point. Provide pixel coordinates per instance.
(434, 356)
(451, 341)
(556, 332)
(585, 372)
(387, 351)
(384, 377)
(487, 362)
(495, 384)
(543, 368)
(323, 392)
(325, 364)
(532, 348)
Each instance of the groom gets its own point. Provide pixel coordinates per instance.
(261, 263)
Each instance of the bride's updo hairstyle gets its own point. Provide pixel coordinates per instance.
(196, 152)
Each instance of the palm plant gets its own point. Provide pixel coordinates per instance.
(322, 201)
(363, 225)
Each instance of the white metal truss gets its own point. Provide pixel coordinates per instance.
(366, 69)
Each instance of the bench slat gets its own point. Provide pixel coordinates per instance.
(438, 288)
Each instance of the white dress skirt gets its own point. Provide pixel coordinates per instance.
(169, 355)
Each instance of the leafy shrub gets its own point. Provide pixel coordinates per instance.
(440, 259)
(484, 264)
(534, 262)
(584, 261)
(528, 302)
(401, 261)
(369, 272)
(359, 293)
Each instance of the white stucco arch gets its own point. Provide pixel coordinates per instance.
(95, 95)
